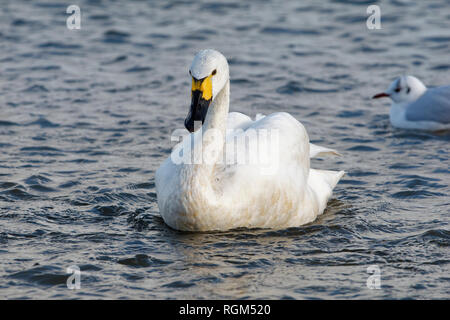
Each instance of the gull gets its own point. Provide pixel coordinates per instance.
(414, 106)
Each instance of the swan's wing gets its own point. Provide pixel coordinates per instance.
(314, 150)
(283, 167)
(322, 182)
(259, 116)
(237, 120)
(265, 143)
(318, 151)
(433, 105)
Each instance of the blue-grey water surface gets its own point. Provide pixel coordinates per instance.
(86, 117)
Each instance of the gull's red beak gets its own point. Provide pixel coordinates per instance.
(380, 95)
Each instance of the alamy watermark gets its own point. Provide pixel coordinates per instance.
(374, 281)
(374, 20)
(74, 280)
(259, 147)
(73, 22)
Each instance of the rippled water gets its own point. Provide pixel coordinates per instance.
(86, 117)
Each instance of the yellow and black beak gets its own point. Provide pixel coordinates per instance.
(201, 97)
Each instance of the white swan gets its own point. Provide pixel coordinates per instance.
(416, 107)
(278, 190)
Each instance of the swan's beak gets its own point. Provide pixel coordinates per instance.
(380, 95)
(201, 97)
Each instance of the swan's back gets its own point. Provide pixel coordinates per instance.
(283, 191)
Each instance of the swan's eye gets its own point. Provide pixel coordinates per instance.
(408, 90)
(190, 73)
(214, 72)
(397, 90)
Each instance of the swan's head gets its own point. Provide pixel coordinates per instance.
(209, 72)
(403, 89)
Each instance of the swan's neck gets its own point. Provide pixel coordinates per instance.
(202, 178)
(216, 117)
(214, 127)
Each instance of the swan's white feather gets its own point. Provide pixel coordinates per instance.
(237, 120)
(293, 195)
(318, 151)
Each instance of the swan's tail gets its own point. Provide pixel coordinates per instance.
(318, 151)
(322, 183)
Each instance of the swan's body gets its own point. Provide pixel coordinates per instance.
(416, 107)
(277, 191)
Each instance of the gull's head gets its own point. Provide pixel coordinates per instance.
(403, 89)
(209, 72)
